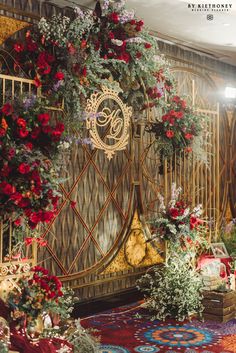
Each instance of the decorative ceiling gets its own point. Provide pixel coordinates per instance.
(208, 26)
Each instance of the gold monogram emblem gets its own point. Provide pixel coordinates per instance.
(108, 119)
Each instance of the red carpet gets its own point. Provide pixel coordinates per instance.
(128, 329)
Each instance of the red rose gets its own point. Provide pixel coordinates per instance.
(188, 149)
(16, 197)
(37, 82)
(17, 222)
(43, 118)
(83, 44)
(2, 132)
(126, 57)
(111, 35)
(30, 45)
(7, 109)
(169, 134)
(140, 23)
(193, 222)
(84, 71)
(183, 104)
(46, 129)
(35, 217)
(21, 123)
(47, 216)
(132, 22)
(59, 76)
(29, 146)
(138, 28)
(173, 212)
(138, 55)
(188, 136)
(5, 170)
(176, 99)
(179, 115)
(35, 132)
(11, 153)
(114, 17)
(56, 135)
(7, 189)
(18, 47)
(147, 45)
(60, 127)
(24, 168)
(28, 241)
(23, 133)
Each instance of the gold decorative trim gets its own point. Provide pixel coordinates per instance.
(8, 26)
(108, 120)
(135, 252)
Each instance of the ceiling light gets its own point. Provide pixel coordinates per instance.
(226, 24)
(230, 92)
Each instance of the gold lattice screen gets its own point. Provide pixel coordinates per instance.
(89, 241)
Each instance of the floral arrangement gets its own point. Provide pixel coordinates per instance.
(177, 222)
(38, 293)
(177, 128)
(71, 58)
(29, 141)
(173, 290)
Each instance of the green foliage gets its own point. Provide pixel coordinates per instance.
(228, 236)
(3, 347)
(172, 290)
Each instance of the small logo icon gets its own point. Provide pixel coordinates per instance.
(210, 17)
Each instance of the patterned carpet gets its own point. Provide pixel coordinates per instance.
(128, 330)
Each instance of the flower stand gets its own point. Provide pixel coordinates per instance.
(219, 306)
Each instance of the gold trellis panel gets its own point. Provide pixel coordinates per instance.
(12, 268)
(200, 181)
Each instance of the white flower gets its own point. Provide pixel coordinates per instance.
(117, 42)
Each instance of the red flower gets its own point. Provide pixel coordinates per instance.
(29, 146)
(28, 241)
(16, 197)
(24, 168)
(132, 22)
(193, 222)
(47, 129)
(60, 127)
(47, 216)
(43, 118)
(37, 82)
(17, 222)
(84, 71)
(114, 17)
(21, 123)
(111, 35)
(30, 45)
(188, 136)
(138, 55)
(11, 153)
(56, 135)
(7, 109)
(35, 217)
(83, 44)
(179, 115)
(147, 45)
(59, 76)
(18, 47)
(183, 104)
(138, 28)
(7, 189)
(35, 132)
(2, 132)
(169, 134)
(23, 133)
(126, 57)
(188, 149)
(174, 213)
(140, 23)
(71, 49)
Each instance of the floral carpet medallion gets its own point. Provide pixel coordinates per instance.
(128, 329)
(178, 336)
